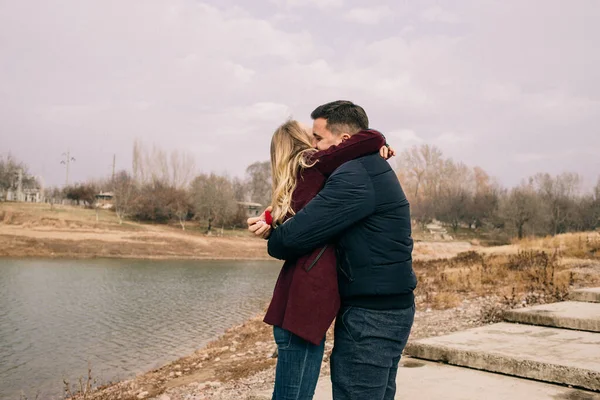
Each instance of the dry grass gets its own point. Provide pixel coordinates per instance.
(534, 271)
(34, 230)
(585, 245)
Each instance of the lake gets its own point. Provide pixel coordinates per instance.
(124, 317)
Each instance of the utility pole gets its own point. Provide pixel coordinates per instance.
(67, 161)
(20, 196)
(113, 167)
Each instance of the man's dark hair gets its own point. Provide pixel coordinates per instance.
(342, 116)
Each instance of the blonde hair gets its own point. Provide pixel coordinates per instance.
(290, 150)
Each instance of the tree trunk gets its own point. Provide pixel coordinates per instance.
(520, 230)
(455, 226)
(209, 225)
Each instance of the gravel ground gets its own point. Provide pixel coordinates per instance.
(257, 386)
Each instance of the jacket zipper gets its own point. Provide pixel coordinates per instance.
(316, 258)
(348, 274)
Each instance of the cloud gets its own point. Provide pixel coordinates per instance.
(368, 15)
(187, 74)
(264, 111)
(438, 14)
(529, 157)
(240, 72)
(321, 4)
(451, 138)
(553, 105)
(404, 136)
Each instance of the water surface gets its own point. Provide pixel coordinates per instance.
(123, 316)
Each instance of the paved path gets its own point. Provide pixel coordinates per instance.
(433, 381)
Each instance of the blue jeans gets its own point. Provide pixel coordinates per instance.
(298, 366)
(367, 349)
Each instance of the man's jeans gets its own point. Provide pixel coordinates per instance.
(367, 348)
(298, 366)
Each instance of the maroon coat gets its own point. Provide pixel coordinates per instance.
(306, 299)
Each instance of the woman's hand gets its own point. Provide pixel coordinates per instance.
(387, 152)
(258, 226)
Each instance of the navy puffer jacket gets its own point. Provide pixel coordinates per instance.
(364, 210)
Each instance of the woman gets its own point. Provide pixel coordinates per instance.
(305, 300)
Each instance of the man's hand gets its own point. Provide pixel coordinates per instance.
(258, 226)
(387, 152)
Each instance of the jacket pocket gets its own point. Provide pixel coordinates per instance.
(309, 265)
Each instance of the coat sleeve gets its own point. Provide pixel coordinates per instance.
(347, 198)
(360, 144)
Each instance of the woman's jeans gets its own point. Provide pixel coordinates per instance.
(298, 366)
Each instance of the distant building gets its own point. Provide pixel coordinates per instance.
(105, 200)
(25, 189)
(23, 196)
(251, 209)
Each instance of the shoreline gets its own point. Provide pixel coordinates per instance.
(239, 364)
(36, 231)
(140, 258)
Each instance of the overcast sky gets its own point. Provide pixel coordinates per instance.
(512, 86)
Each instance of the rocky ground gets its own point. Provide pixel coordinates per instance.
(241, 364)
(427, 323)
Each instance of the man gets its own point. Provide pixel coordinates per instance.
(363, 210)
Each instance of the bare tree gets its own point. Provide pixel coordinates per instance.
(156, 165)
(520, 207)
(154, 203)
(124, 191)
(588, 210)
(54, 195)
(486, 198)
(240, 189)
(420, 169)
(455, 194)
(558, 193)
(182, 206)
(82, 193)
(213, 199)
(9, 173)
(260, 182)
(182, 169)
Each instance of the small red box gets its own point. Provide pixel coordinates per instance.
(268, 217)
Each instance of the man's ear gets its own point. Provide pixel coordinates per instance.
(345, 137)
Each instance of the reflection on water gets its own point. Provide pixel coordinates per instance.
(123, 316)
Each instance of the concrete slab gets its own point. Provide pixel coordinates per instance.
(425, 380)
(591, 295)
(566, 314)
(546, 354)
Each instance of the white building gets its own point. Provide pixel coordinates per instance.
(251, 209)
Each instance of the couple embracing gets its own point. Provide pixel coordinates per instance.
(341, 222)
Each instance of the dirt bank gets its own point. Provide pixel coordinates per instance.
(36, 230)
(33, 230)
